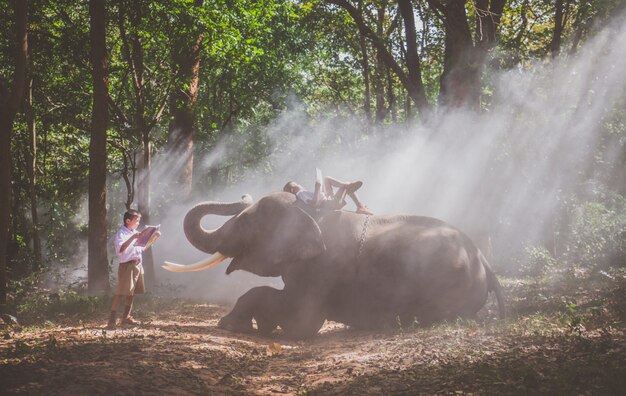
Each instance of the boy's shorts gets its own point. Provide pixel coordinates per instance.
(130, 278)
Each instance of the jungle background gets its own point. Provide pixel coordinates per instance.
(505, 118)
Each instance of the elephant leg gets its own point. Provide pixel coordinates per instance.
(253, 304)
(301, 315)
(298, 315)
(302, 326)
(267, 312)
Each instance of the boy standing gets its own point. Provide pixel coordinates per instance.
(130, 272)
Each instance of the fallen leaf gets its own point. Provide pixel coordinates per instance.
(273, 349)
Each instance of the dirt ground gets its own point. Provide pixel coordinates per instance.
(181, 351)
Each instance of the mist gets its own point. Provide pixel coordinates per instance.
(497, 176)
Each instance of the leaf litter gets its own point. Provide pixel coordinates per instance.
(537, 351)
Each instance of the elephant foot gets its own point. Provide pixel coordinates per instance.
(265, 325)
(302, 327)
(235, 325)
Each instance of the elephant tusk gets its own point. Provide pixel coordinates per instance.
(207, 263)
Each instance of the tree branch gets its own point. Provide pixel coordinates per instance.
(414, 88)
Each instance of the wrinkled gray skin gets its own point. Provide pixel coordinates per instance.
(408, 267)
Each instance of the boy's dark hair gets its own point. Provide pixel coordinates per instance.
(131, 214)
(288, 186)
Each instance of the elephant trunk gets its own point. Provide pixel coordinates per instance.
(208, 240)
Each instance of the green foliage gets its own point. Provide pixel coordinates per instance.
(539, 261)
(256, 58)
(527, 28)
(572, 319)
(48, 345)
(34, 305)
(590, 234)
(596, 231)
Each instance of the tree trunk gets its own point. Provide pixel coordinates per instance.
(31, 170)
(365, 64)
(97, 264)
(6, 124)
(144, 202)
(10, 100)
(555, 44)
(181, 129)
(414, 88)
(180, 140)
(135, 57)
(379, 82)
(464, 58)
(460, 80)
(415, 85)
(391, 98)
(408, 110)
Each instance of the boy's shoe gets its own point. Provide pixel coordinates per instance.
(364, 210)
(129, 320)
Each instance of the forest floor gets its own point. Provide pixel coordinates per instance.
(566, 339)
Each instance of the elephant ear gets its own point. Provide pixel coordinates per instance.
(288, 237)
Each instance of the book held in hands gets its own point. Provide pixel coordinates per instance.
(148, 236)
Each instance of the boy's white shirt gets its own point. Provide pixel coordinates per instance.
(305, 196)
(132, 252)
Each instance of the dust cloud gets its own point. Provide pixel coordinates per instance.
(498, 176)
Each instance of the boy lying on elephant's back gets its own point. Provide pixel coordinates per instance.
(326, 196)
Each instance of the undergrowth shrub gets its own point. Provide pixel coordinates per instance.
(596, 234)
(590, 235)
(538, 261)
(43, 305)
(33, 303)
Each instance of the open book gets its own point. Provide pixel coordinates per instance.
(148, 236)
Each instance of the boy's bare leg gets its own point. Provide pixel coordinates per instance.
(126, 318)
(329, 183)
(356, 200)
(360, 207)
(343, 189)
(112, 317)
(128, 308)
(338, 196)
(116, 302)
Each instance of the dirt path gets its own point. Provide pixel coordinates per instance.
(184, 353)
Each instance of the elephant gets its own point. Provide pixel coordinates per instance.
(365, 271)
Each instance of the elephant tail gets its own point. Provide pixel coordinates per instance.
(494, 285)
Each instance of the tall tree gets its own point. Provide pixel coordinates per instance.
(186, 67)
(560, 18)
(465, 55)
(31, 171)
(97, 264)
(465, 52)
(10, 100)
(408, 74)
(379, 75)
(365, 70)
(147, 107)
